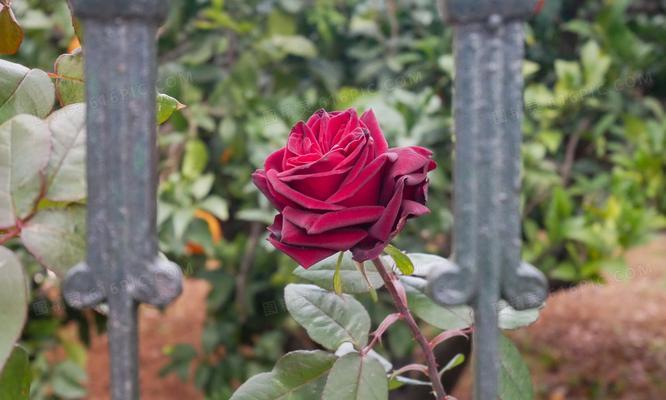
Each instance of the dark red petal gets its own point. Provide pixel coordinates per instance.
(315, 223)
(368, 251)
(334, 128)
(370, 121)
(314, 163)
(261, 182)
(381, 230)
(340, 239)
(296, 197)
(408, 161)
(275, 160)
(318, 186)
(364, 187)
(410, 209)
(304, 256)
(301, 141)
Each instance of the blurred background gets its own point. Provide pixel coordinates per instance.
(593, 201)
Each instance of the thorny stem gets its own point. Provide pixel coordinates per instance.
(389, 282)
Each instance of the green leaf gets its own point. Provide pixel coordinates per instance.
(515, 379)
(217, 206)
(452, 317)
(454, 362)
(195, 158)
(329, 319)
(294, 45)
(353, 281)
(509, 318)
(337, 279)
(69, 380)
(402, 261)
(354, 377)
(70, 78)
(13, 301)
(67, 166)
(56, 237)
(11, 34)
(24, 154)
(166, 106)
(595, 65)
(24, 91)
(300, 375)
(16, 376)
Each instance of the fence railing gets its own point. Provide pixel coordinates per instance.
(488, 46)
(123, 267)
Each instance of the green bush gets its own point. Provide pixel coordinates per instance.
(594, 150)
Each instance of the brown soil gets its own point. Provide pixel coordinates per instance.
(602, 341)
(182, 322)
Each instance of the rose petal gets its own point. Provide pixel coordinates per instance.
(296, 197)
(261, 182)
(410, 209)
(364, 187)
(370, 121)
(304, 256)
(315, 223)
(340, 239)
(301, 141)
(382, 229)
(333, 130)
(275, 160)
(368, 251)
(318, 186)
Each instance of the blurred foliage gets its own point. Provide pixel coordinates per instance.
(594, 150)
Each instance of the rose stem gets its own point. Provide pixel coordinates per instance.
(413, 326)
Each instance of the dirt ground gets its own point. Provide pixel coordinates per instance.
(182, 322)
(591, 342)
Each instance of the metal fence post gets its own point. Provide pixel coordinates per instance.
(122, 267)
(488, 45)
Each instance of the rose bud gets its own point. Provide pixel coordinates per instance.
(337, 186)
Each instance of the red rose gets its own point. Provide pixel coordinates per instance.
(339, 187)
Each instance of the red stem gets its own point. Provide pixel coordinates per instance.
(5, 237)
(389, 282)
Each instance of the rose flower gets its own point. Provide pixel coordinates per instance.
(339, 187)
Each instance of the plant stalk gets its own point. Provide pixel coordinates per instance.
(403, 309)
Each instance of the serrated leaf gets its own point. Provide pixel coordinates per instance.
(56, 237)
(299, 375)
(515, 379)
(353, 281)
(329, 319)
(11, 34)
(14, 301)
(355, 377)
(402, 261)
(70, 78)
(66, 171)
(166, 106)
(24, 154)
(15, 376)
(24, 91)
